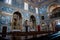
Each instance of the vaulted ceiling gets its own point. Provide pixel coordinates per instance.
(38, 3)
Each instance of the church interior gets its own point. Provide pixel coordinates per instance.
(29, 19)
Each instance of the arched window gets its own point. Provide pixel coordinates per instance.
(25, 6)
(8, 1)
(36, 10)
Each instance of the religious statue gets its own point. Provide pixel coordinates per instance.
(16, 21)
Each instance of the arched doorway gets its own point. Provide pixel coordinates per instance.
(51, 7)
(16, 21)
(56, 15)
(57, 27)
(33, 20)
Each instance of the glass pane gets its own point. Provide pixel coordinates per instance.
(8, 1)
(25, 6)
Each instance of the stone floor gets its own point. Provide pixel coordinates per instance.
(54, 36)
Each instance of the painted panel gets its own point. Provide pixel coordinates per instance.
(7, 9)
(43, 9)
(5, 20)
(37, 21)
(26, 15)
(31, 9)
(19, 5)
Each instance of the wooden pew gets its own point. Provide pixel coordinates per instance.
(18, 33)
(34, 33)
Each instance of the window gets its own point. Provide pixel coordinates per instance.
(8, 1)
(36, 10)
(39, 0)
(25, 6)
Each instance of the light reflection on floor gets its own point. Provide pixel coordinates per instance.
(55, 35)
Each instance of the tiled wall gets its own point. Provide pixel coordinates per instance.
(6, 20)
(25, 14)
(32, 9)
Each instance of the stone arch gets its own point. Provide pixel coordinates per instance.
(18, 13)
(55, 14)
(33, 19)
(56, 9)
(16, 20)
(52, 7)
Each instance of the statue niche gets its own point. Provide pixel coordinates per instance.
(33, 20)
(16, 21)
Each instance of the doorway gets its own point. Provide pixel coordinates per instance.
(16, 20)
(56, 18)
(55, 13)
(33, 20)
